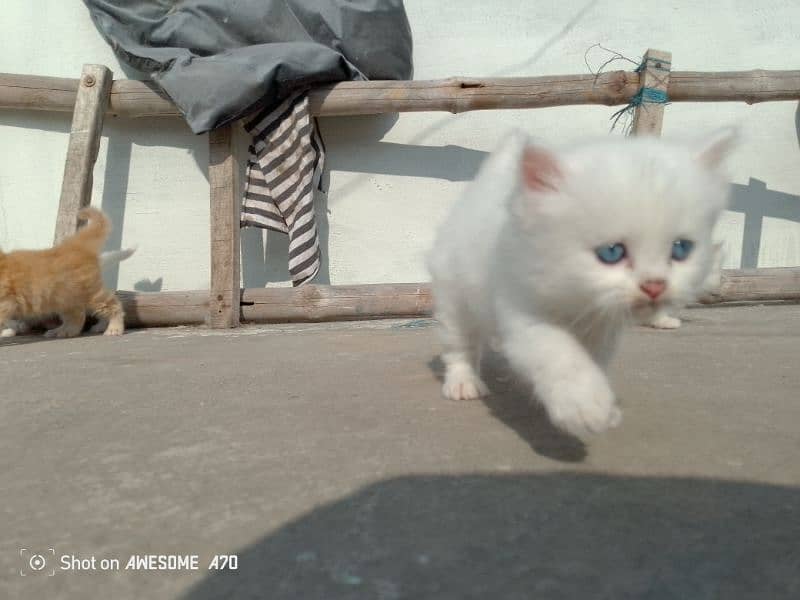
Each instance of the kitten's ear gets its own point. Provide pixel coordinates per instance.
(716, 148)
(540, 174)
(540, 170)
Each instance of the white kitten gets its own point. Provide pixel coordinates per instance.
(551, 252)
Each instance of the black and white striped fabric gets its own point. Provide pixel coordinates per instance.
(285, 165)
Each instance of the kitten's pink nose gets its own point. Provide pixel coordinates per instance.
(653, 287)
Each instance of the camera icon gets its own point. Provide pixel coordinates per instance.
(35, 562)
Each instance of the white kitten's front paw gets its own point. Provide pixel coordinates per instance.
(462, 383)
(664, 321)
(583, 405)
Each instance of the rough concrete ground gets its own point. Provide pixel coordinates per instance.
(325, 459)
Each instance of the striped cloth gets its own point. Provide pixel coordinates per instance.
(285, 164)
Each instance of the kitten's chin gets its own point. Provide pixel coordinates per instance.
(646, 309)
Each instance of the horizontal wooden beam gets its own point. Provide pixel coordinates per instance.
(314, 303)
(164, 309)
(130, 98)
(757, 285)
(310, 303)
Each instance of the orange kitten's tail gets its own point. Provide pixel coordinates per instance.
(94, 234)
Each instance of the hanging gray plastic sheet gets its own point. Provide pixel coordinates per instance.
(219, 61)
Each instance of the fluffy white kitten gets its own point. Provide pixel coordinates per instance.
(550, 252)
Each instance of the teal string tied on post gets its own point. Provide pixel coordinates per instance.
(645, 95)
(652, 95)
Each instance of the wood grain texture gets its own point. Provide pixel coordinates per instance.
(164, 309)
(223, 176)
(314, 303)
(336, 303)
(752, 285)
(84, 142)
(131, 98)
(648, 117)
(309, 303)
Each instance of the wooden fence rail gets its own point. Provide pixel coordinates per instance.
(312, 303)
(225, 303)
(457, 94)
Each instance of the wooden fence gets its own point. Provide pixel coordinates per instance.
(225, 304)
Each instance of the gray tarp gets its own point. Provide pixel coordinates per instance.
(220, 60)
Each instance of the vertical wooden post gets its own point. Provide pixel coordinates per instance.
(223, 175)
(84, 142)
(653, 81)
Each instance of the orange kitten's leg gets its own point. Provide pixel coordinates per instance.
(71, 324)
(14, 327)
(7, 328)
(106, 306)
(99, 327)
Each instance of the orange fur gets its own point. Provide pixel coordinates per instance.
(65, 280)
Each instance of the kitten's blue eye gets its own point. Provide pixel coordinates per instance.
(681, 249)
(611, 254)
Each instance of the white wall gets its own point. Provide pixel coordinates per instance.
(392, 178)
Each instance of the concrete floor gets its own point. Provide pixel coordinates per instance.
(324, 458)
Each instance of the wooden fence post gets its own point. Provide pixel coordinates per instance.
(91, 104)
(653, 82)
(223, 176)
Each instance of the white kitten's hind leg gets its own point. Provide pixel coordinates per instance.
(661, 320)
(461, 358)
(461, 379)
(571, 386)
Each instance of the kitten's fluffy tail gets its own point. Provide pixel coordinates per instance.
(115, 256)
(93, 236)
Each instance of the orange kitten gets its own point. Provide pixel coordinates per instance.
(63, 280)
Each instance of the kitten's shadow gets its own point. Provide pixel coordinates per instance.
(22, 339)
(37, 334)
(512, 402)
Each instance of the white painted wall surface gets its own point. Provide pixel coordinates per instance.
(391, 178)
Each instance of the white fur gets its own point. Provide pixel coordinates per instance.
(115, 256)
(516, 261)
(711, 286)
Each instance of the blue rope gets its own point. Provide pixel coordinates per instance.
(652, 95)
(645, 95)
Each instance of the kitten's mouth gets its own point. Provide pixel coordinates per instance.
(647, 306)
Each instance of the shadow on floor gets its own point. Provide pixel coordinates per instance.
(513, 403)
(530, 536)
